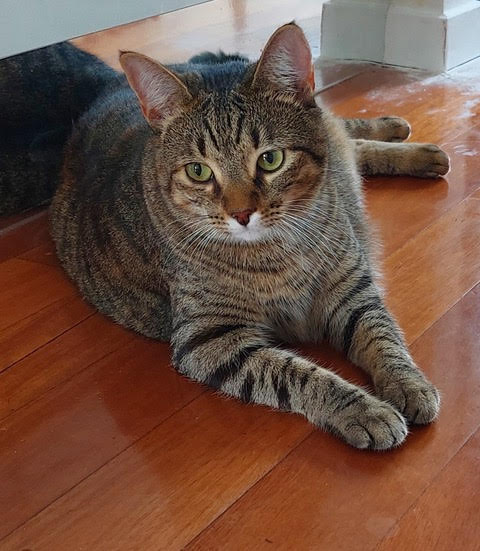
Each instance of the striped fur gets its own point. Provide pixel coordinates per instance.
(162, 254)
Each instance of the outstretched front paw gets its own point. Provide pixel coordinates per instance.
(369, 423)
(415, 397)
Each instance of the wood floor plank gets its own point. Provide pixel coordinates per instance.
(21, 338)
(172, 37)
(58, 361)
(164, 489)
(432, 271)
(44, 253)
(52, 444)
(325, 495)
(446, 516)
(219, 455)
(27, 287)
(22, 232)
(402, 207)
(435, 105)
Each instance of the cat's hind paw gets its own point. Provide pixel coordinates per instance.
(429, 161)
(393, 129)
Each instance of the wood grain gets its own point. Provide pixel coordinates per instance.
(418, 203)
(23, 337)
(445, 517)
(227, 25)
(27, 287)
(178, 478)
(428, 275)
(74, 429)
(436, 109)
(43, 253)
(20, 233)
(71, 352)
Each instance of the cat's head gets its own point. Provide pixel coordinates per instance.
(240, 162)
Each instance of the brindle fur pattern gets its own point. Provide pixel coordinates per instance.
(154, 250)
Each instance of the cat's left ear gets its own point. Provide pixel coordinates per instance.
(159, 91)
(286, 62)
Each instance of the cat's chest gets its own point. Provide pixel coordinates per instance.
(289, 315)
(288, 305)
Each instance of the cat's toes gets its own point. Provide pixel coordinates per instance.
(430, 161)
(393, 129)
(415, 397)
(371, 424)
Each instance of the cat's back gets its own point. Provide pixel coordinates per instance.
(217, 71)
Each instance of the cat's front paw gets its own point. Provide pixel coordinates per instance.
(370, 424)
(415, 397)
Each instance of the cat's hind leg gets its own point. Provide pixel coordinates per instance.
(395, 159)
(385, 129)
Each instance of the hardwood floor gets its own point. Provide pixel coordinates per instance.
(103, 446)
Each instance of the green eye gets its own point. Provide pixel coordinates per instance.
(270, 160)
(198, 172)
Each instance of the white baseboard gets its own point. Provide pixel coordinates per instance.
(353, 30)
(402, 35)
(436, 42)
(415, 39)
(463, 35)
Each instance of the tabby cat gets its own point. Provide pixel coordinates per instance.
(228, 218)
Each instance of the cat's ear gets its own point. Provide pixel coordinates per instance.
(160, 92)
(286, 62)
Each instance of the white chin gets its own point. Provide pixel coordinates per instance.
(254, 231)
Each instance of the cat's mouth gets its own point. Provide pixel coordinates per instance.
(252, 231)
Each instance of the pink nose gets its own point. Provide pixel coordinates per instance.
(243, 216)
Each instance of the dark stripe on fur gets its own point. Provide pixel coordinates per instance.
(255, 137)
(247, 388)
(347, 400)
(364, 282)
(203, 337)
(315, 156)
(353, 320)
(238, 134)
(201, 146)
(211, 134)
(232, 367)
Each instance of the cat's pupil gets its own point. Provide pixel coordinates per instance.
(268, 157)
(197, 168)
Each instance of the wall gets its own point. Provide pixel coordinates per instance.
(29, 24)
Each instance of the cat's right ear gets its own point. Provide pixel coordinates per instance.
(286, 63)
(159, 91)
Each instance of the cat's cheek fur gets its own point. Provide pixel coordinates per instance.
(187, 197)
(305, 187)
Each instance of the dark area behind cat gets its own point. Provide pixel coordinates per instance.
(42, 95)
